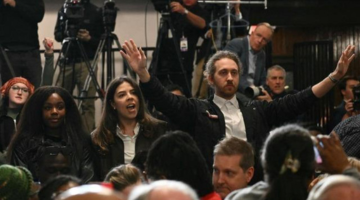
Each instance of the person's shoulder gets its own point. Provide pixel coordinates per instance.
(253, 192)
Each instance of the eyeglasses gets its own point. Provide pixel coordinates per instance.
(17, 88)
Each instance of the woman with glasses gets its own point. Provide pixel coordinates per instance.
(14, 94)
(126, 127)
(50, 124)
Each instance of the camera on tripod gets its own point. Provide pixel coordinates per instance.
(109, 15)
(356, 93)
(163, 6)
(73, 13)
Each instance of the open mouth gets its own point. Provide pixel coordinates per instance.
(130, 106)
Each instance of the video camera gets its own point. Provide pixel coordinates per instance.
(356, 92)
(163, 6)
(73, 13)
(109, 15)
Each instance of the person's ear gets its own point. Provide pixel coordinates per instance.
(249, 174)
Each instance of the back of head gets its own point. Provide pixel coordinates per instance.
(288, 161)
(123, 176)
(175, 156)
(55, 185)
(90, 192)
(164, 189)
(336, 187)
(15, 182)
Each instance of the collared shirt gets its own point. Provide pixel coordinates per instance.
(252, 64)
(129, 143)
(234, 120)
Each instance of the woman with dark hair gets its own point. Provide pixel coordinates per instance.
(57, 185)
(175, 156)
(14, 94)
(126, 127)
(50, 122)
(289, 163)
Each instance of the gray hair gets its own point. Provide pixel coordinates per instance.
(276, 67)
(319, 192)
(210, 65)
(142, 192)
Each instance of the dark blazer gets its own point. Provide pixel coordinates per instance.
(204, 121)
(240, 46)
(105, 161)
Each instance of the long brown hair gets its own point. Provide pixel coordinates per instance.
(104, 134)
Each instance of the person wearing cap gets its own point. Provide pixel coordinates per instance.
(14, 94)
(16, 183)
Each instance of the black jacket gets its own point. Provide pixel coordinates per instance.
(92, 21)
(19, 25)
(204, 121)
(104, 162)
(26, 150)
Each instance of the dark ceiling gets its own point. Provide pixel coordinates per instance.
(305, 12)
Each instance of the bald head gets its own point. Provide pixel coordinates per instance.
(90, 192)
(166, 193)
(336, 187)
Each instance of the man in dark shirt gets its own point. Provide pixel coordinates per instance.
(19, 38)
(189, 21)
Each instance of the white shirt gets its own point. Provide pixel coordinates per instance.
(129, 143)
(234, 120)
(252, 65)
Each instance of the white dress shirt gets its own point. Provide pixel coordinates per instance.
(234, 120)
(129, 143)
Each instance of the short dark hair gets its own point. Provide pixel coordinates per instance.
(175, 156)
(49, 189)
(236, 146)
(343, 82)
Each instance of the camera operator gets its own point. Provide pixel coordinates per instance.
(345, 108)
(275, 84)
(19, 37)
(90, 29)
(189, 21)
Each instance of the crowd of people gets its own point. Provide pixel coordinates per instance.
(227, 146)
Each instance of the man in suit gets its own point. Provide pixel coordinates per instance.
(223, 115)
(252, 56)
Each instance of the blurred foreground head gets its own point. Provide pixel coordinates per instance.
(90, 192)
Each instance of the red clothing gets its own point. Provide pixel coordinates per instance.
(211, 196)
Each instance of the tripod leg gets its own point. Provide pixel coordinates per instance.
(126, 65)
(11, 69)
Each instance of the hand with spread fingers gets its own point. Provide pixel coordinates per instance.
(136, 59)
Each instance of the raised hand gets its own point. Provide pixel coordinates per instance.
(136, 59)
(343, 64)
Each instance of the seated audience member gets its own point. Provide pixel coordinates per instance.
(348, 131)
(289, 164)
(175, 156)
(124, 178)
(336, 187)
(90, 192)
(210, 120)
(274, 87)
(251, 52)
(51, 161)
(162, 190)
(126, 127)
(57, 185)
(233, 165)
(15, 183)
(50, 119)
(346, 89)
(14, 94)
(139, 161)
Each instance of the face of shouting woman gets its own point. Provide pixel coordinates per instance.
(126, 102)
